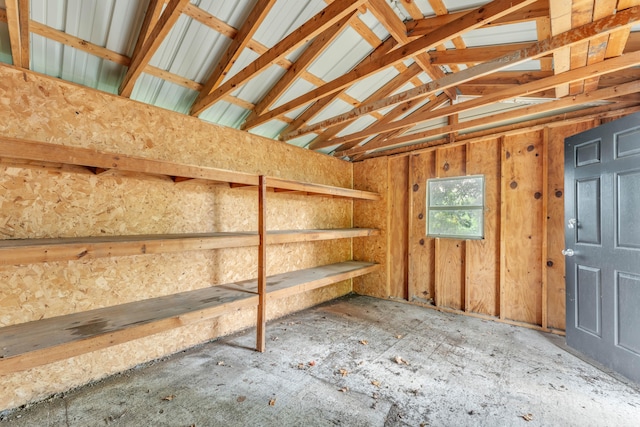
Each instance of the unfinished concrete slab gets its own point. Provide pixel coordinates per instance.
(357, 361)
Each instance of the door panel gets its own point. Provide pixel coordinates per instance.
(588, 210)
(628, 225)
(588, 294)
(602, 217)
(628, 291)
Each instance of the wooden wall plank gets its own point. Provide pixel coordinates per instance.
(421, 249)
(449, 257)
(555, 265)
(482, 257)
(522, 175)
(398, 226)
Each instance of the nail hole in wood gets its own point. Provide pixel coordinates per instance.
(513, 184)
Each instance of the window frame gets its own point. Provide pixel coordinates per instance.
(474, 207)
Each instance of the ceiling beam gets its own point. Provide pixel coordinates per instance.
(597, 48)
(581, 13)
(393, 85)
(310, 29)
(424, 26)
(474, 55)
(560, 15)
(535, 50)
(310, 54)
(396, 112)
(162, 27)
(241, 40)
(610, 65)
(320, 104)
(388, 18)
(15, 33)
(465, 23)
(592, 113)
(151, 16)
(25, 54)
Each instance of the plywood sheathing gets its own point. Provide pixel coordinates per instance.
(482, 260)
(554, 264)
(372, 176)
(450, 253)
(421, 280)
(398, 226)
(521, 297)
(40, 108)
(500, 277)
(49, 202)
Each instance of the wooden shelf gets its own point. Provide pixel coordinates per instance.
(45, 341)
(28, 251)
(21, 149)
(36, 343)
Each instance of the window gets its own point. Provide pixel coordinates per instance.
(455, 207)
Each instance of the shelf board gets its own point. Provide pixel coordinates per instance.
(40, 342)
(28, 251)
(21, 149)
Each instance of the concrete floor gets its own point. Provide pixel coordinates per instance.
(357, 361)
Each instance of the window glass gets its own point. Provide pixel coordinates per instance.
(455, 207)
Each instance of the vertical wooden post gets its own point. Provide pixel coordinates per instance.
(439, 287)
(545, 225)
(503, 221)
(466, 286)
(262, 265)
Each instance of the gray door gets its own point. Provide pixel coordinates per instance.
(602, 236)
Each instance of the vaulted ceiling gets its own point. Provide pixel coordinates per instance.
(351, 78)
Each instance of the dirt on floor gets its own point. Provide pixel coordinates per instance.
(357, 361)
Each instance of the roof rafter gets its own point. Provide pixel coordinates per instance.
(421, 27)
(310, 29)
(238, 44)
(395, 83)
(308, 56)
(17, 12)
(387, 17)
(610, 65)
(396, 112)
(320, 104)
(152, 42)
(535, 50)
(465, 23)
(592, 113)
(151, 16)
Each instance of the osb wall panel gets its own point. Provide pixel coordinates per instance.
(482, 256)
(398, 226)
(39, 383)
(40, 202)
(372, 175)
(40, 108)
(421, 269)
(450, 253)
(555, 265)
(522, 227)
